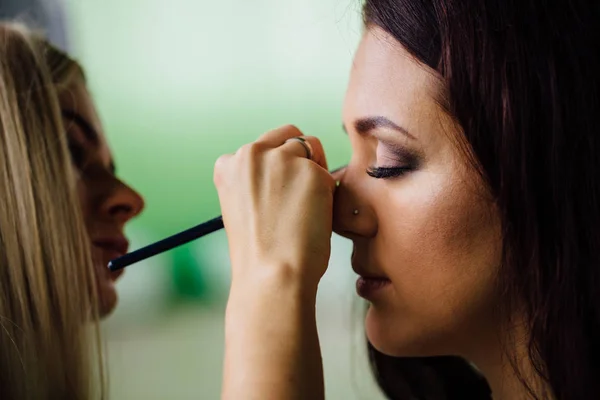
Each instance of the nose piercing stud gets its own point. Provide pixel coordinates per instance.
(355, 212)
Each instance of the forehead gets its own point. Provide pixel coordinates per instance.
(386, 79)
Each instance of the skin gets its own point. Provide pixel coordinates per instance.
(429, 238)
(107, 203)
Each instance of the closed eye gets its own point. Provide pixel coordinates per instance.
(78, 153)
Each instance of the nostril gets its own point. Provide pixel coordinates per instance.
(121, 209)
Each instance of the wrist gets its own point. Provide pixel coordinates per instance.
(267, 293)
(271, 339)
(270, 281)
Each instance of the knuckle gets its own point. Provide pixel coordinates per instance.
(243, 151)
(312, 177)
(219, 168)
(318, 150)
(292, 129)
(322, 181)
(277, 158)
(250, 150)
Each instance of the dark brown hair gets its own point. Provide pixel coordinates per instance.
(523, 82)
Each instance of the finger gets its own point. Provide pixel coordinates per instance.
(299, 149)
(220, 167)
(277, 137)
(318, 152)
(338, 174)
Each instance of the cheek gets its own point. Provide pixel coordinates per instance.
(85, 203)
(440, 248)
(82, 194)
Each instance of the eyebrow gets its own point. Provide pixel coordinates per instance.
(364, 125)
(89, 132)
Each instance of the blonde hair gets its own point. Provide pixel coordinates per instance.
(47, 283)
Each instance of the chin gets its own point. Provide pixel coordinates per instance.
(107, 299)
(397, 337)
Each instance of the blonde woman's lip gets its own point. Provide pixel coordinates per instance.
(117, 245)
(112, 248)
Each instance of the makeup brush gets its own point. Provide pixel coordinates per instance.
(171, 242)
(167, 244)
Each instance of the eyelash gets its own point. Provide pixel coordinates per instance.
(387, 172)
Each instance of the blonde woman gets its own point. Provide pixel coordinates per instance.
(50, 295)
(107, 203)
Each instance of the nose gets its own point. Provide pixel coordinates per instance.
(353, 214)
(123, 203)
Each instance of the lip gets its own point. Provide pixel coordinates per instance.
(369, 284)
(117, 244)
(112, 247)
(368, 288)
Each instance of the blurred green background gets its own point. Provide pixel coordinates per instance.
(178, 83)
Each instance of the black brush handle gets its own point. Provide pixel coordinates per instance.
(167, 244)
